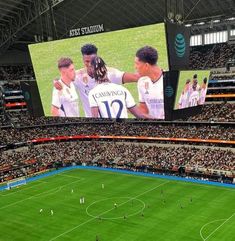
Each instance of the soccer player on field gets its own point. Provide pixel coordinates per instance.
(65, 101)
(85, 81)
(150, 85)
(183, 100)
(109, 100)
(203, 91)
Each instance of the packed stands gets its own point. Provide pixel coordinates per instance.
(16, 72)
(20, 156)
(216, 112)
(163, 159)
(221, 86)
(211, 56)
(168, 130)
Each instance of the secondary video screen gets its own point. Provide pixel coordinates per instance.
(65, 91)
(192, 88)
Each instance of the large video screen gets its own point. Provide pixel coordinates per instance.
(192, 88)
(118, 50)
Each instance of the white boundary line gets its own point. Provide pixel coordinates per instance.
(129, 215)
(22, 189)
(36, 195)
(217, 220)
(226, 220)
(89, 220)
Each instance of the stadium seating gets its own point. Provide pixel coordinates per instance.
(134, 156)
(211, 56)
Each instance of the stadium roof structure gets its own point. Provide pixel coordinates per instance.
(29, 21)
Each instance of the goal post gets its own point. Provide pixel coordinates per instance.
(16, 182)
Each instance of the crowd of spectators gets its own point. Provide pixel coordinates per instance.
(135, 156)
(32, 159)
(222, 112)
(8, 86)
(16, 72)
(218, 132)
(220, 76)
(211, 56)
(221, 83)
(217, 112)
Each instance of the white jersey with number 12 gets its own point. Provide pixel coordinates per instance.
(112, 100)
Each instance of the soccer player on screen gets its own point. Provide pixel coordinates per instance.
(194, 83)
(194, 96)
(184, 97)
(65, 101)
(84, 81)
(150, 85)
(203, 91)
(109, 100)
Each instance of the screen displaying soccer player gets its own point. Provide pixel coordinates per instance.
(117, 48)
(150, 83)
(192, 88)
(65, 101)
(109, 100)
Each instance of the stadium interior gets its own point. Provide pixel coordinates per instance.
(197, 146)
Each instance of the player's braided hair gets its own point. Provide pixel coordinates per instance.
(100, 70)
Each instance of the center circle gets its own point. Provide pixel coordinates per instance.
(115, 208)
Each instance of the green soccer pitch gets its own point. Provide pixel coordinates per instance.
(117, 48)
(147, 209)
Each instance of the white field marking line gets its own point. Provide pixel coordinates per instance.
(208, 224)
(220, 226)
(70, 230)
(4, 195)
(130, 215)
(57, 189)
(65, 175)
(181, 182)
(36, 195)
(49, 193)
(226, 220)
(38, 184)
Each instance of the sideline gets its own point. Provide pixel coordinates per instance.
(174, 178)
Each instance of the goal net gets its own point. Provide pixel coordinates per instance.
(16, 182)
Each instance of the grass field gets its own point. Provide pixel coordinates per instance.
(184, 75)
(117, 48)
(210, 216)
